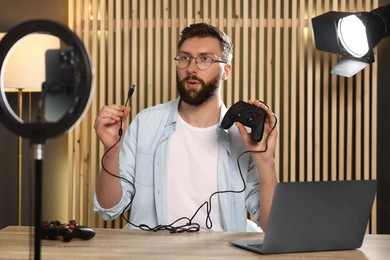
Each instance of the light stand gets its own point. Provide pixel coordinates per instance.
(34, 47)
(38, 158)
(65, 96)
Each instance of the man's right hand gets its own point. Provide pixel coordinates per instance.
(108, 121)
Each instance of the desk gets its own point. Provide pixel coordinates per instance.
(133, 244)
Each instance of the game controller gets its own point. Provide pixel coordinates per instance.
(247, 114)
(52, 229)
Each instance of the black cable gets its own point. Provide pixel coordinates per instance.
(209, 223)
(189, 226)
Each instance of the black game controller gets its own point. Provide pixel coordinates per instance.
(52, 229)
(247, 114)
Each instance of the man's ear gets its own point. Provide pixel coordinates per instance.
(227, 68)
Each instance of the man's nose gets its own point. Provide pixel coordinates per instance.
(192, 67)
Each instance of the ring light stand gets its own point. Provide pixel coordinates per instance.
(68, 86)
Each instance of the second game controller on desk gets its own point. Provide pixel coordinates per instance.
(247, 114)
(52, 229)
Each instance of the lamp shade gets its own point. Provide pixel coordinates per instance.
(25, 63)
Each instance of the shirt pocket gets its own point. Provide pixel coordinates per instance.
(144, 168)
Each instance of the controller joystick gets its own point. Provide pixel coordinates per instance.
(52, 229)
(247, 114)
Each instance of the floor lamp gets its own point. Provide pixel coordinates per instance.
(24, 72)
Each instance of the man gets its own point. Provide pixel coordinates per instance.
(177, 155)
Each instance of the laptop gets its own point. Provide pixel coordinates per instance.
(316, 216)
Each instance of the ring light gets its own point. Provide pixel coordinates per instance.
(64, 98)
(68, 85)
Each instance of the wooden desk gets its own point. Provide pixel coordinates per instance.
(17, 243)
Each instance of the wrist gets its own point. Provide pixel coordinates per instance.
(264, 157)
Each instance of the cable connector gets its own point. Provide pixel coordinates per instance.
(129, 94)
(131, 91)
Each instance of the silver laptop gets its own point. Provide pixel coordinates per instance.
(316, 216)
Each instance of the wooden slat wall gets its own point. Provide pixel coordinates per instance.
(327, 124)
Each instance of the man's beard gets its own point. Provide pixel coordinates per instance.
(197, 97)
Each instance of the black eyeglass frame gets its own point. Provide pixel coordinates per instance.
(176, 59)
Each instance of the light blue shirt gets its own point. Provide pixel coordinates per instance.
(143, 161)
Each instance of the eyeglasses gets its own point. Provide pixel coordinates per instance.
(203, 62)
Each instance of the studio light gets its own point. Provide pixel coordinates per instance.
(28, 53)
(67, 90)
(65, 94)
(352, 35)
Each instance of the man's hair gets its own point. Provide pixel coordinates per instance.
(205, 30)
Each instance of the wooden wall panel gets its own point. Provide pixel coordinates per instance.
(327, 124)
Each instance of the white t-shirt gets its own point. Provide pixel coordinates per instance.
(192, 175)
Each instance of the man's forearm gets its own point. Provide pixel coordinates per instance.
(108, 189)
(268, 180)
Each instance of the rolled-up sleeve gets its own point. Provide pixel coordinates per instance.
(111, 213)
